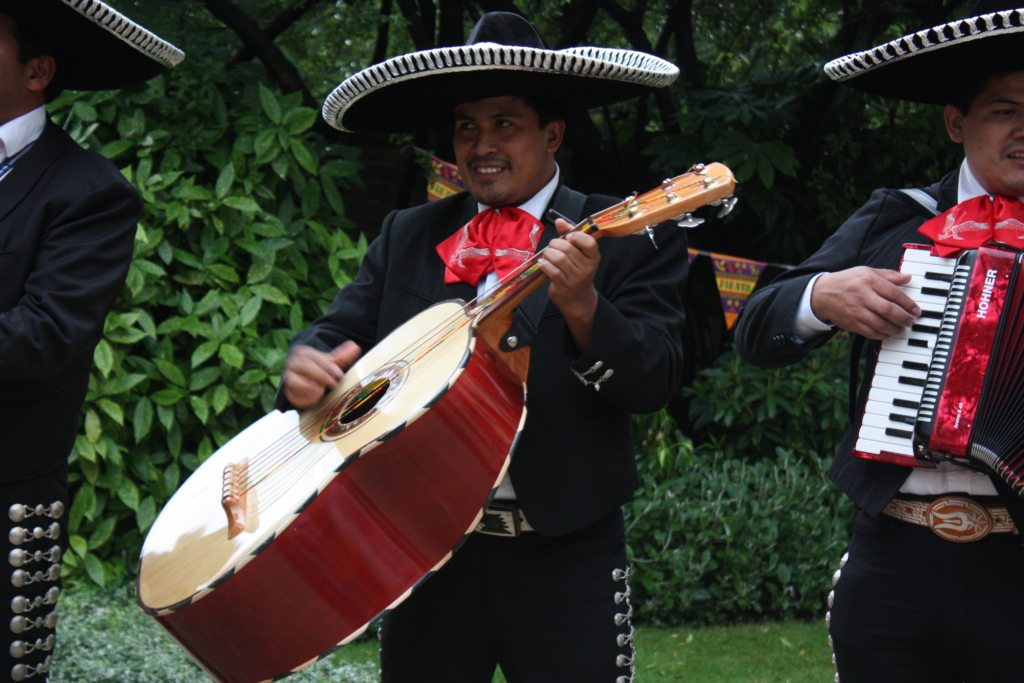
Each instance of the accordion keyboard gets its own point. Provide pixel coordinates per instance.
(887, 429)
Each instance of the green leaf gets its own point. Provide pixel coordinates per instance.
(93, 426)
(225, 180)
(79, 545)
(145, 514)
(250, 310)
(303, 155)
(170, 371)
(270, 103)
(103, 357)
(83, 506)
(128, 492)
(299, 120)
(94, 568)
(243, 204)
(113, 410)
(102, 533)
(271, 294)
(230, 354)
(221, 399)
(142, 419)
(204, 351)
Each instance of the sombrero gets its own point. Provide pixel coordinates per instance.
(96, 47)
(504, 55)
(928, 65)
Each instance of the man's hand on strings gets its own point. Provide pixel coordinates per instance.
(570, 263)
(310, 373)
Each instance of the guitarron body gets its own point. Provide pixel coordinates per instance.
(346, 519)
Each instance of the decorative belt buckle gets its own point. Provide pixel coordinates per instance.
(499, 520)
(960, 520)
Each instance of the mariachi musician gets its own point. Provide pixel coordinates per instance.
(67, 224)
(929, 589)
(541, 588)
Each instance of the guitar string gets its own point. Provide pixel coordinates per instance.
(263, 471)
(265, 464)
(274, 457)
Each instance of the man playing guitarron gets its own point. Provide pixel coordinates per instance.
(540, 589)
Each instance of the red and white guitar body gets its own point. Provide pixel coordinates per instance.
(342, 526)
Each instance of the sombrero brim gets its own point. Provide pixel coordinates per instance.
(97, 47)
(413, 91)
(926, 66)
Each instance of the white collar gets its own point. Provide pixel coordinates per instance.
(536, 204)
(20, 132)
(969, 187)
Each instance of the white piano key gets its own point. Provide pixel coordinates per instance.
(870, 445)
(890, 396)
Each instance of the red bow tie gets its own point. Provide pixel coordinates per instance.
(972, 223)
(495, 239)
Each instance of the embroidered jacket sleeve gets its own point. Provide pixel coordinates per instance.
(635, 357)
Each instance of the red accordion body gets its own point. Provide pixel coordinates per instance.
(951, 387)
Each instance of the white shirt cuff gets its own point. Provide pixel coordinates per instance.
(807, 324)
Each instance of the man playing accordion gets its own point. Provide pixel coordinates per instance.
(928, 590)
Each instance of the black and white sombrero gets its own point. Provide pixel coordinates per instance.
(927, 66)
(503, 55)
(97, 47)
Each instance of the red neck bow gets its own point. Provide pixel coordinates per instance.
(496, 239)
(972, 223)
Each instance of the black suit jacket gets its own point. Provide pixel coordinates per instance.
(574, 461)
(873, 236)
(67, 224)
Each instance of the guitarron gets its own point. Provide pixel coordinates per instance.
(302, 530)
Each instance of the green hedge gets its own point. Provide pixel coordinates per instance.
(242, 242)
(743, 524)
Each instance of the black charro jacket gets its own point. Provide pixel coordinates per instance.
(574, 461)
(67, 225)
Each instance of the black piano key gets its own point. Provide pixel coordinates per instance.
(929, 329)
(922, 343)
(903, 434)
(905, 419)
(913, 365)
(942, 277)
(934, 291)
(913, 381)
(906, 403)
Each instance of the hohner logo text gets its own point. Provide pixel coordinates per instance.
(986, 294)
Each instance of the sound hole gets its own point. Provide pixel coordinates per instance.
(362, 402)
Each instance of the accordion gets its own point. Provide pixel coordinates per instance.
(951, 387)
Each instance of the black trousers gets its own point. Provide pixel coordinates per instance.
(36, 512)
(909, 606)
(544, 609)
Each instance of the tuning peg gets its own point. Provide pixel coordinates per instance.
(727, 205)
(688, 220)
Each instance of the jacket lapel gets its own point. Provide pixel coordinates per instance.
(27, 172)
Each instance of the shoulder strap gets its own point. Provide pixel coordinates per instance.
(927, 202)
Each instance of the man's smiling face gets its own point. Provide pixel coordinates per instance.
(992, 133)
(504, 155)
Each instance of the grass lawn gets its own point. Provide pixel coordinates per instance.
(105, 638)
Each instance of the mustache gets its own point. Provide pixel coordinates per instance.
(484, 160)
